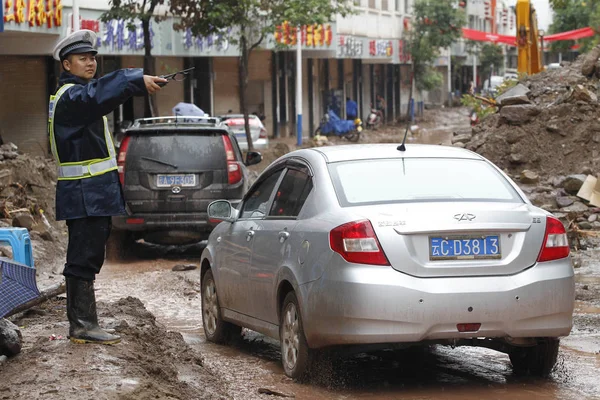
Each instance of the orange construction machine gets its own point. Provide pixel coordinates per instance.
(530, 54)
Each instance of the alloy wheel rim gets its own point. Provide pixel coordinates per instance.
(210, 307)
(290, 335)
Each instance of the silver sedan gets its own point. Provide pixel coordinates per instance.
(371, 246)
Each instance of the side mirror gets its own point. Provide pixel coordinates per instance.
(253, 157)
(220, 210)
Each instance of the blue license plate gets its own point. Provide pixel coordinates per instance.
(176, 180)
(464, 248)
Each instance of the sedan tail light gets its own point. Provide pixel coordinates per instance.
(263, 133)
(234, 172)
(357, 243)
(121, 158)
(556, 245)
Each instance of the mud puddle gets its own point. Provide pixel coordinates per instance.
(439, 372)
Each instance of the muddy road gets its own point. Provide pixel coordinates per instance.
(438, 372)
(164, 354)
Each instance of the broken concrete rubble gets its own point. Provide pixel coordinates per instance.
(10, 338)
(513, 96)
(519, 114)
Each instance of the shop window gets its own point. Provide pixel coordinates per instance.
(384, 5)
(372, 4)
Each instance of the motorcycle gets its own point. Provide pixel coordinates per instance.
(474, 118)
(331, 124)
(374, 119)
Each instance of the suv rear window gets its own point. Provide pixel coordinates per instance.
(187, 150)
(366, 182)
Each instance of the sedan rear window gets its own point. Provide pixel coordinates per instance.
(365, 182)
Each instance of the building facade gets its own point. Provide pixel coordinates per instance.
(357, 57)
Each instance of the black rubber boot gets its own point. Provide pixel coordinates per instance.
(81, 311)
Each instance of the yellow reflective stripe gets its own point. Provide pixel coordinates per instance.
(53, 102)
(86, 164)
(87, 176)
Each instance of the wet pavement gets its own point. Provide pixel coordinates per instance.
(434, 373)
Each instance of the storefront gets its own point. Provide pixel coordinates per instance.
(28, 34)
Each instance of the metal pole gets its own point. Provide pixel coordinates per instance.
(475, 72)
(75, 15)
(298, 87)
(449, 76)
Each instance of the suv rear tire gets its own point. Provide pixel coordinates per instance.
(119, 245)
(538, 360)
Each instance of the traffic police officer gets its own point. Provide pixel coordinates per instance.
(88, 192)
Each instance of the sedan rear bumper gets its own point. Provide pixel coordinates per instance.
(259, 144)
(361, 304)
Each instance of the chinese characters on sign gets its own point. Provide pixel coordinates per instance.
(36, 12)
(403, 54)
(218, 42)
(117, 35)
(350, 47)
(380, 48)
(317, 35)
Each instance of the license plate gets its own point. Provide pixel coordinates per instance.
(464, 248)
(176, 180)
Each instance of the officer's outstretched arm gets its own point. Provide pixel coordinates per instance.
(102, 96)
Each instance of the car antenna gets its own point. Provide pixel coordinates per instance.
(402, 147)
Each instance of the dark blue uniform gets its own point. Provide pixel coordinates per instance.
(87, 204)
(79, 135)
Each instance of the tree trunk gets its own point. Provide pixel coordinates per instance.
(150, 106)
(243, 85)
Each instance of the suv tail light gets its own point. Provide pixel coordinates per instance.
(556, 245)
(357, 243)
(121, 158)
(263, 133)
(234, 172)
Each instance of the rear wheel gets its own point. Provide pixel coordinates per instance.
(354, 136)
(119, 246)
(317, 131)
(296, 356)
(537, 360)
(215, 329)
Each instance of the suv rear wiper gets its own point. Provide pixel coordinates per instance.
(160, 162)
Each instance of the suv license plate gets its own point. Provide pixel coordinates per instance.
(464, 248)
(186, 180)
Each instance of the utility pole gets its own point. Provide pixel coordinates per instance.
(299, 86)
(75, 26)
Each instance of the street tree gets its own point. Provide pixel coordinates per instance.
(145, 11)
(491, 57)
(251, 23)
(436, 24)
(575, 14)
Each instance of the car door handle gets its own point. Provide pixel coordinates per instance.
(283, 235)
(249, 235)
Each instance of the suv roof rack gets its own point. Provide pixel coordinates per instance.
(177, 119)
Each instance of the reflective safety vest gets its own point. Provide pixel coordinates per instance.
(86, 168)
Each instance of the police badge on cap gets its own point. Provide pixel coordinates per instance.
(79, 42)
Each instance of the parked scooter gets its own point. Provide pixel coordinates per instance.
(332, 125)
(374, 120)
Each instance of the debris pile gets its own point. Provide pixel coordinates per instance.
(546, 136)
(27, 196)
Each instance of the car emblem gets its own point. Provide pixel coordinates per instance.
(464, 217)
(176, 189)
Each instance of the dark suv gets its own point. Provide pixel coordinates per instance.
(170, 169)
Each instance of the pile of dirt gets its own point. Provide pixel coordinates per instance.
(27, 196)
(546, 135)
(557, 133)
(150, 362)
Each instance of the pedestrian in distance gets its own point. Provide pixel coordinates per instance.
(88, 192)
(351, 109)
